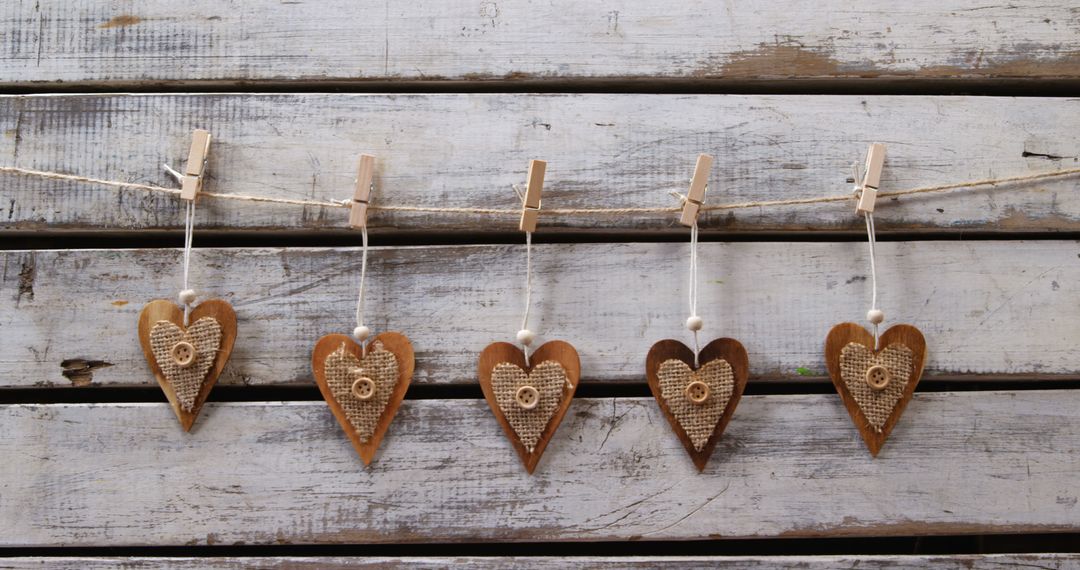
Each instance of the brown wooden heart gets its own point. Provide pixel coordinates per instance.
(698, 414)
(363, 391)
(201, 351)
(529, 401)
(875, 385)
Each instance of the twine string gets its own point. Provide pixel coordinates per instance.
(552, 212)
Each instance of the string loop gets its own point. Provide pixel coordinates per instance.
(694, 323)
(874, 311)
(189, 233)
(361, 332)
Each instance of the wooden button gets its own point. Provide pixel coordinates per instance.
(697, 392)
(183, 354)
(363, 388)
(878, 377)
(527, 397)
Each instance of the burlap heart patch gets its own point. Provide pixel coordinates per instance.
(857, 361)
(529, 417)
(185, 356)
(363, 404)
(696, 408)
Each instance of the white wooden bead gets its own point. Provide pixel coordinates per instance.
(186, 297)
(361, 333)
(875, 316)
(526, 337)
(695, 323)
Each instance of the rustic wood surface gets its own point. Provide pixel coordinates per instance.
(110, 474)
(467, 150)
(871, 562)
(787, 466)
(103, 42)
(988, 308)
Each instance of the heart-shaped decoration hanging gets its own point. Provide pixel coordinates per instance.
(875, 385)
(698, 403)
(529, 401)
(363, 390)
(187, 360)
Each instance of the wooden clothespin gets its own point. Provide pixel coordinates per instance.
(192, 180)
(365, 171)
(875, 162)
(530, 208)
(696, 196)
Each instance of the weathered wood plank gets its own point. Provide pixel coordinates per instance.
(466, 151)
(260, 473)
(987, 308)
(890, 562)
(97, 41)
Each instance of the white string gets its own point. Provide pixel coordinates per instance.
(528, 291)
(872, 240)
(694, 284)
(189, 233)
(360, 295)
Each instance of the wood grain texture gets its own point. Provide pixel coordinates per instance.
(393, 342)
(503, 352)
(164, 310)
(462, 151)
(996, 308)
(904, 335)
(853, 562)
(263, 473)
(727, 349)
(101, 42)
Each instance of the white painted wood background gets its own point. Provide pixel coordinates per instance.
(989, 309)
(627, 110)
(468, 150)
(103, 42)
(788, 465)
(959, 562)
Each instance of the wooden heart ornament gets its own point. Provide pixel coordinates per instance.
(363, 390)
(875, 385)
(529, 401)
(698, 403)
(187, 360)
